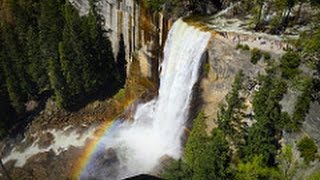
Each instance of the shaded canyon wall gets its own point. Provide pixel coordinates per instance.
(144, 33)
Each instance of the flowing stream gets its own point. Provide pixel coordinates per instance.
(131, 148)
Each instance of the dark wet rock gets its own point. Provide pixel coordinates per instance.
(165, 161)
(105, 165)
(47, 165)
(110, 157)
(10, 164)
(130, 111)
(46, 140)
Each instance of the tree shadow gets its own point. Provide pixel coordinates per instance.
(22, 120)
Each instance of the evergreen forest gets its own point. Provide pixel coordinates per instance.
(47, 49)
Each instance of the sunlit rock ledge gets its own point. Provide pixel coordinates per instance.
(224, 59)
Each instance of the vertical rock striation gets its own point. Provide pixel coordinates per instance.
(143, 32)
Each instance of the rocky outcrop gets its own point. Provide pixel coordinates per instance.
(312, 122)
(120, 17)
(46, 165)
(238, 32)
(108, 164)
(143, 32)
(225, 60)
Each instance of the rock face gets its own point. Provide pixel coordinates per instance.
(237, 31)
(225, 60)
(310, 128)
(105, 159)
(47, 165)
(143, 32)
(312, 122)
(120, 18)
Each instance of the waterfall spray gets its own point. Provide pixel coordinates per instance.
(132, 148)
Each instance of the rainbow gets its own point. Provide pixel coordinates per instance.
(98, 139)
(93, 146)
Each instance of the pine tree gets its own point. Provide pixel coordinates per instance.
(121, 60)
(17, 88)
(7, 113)
(255, 169)
(36, 69)
(215, 159)
(261, 139)
(70, 50)
(230, 114)
(50, 24)
(196, 143)
(58, 84)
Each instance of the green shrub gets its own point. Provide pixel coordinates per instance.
(286, 123)
(275, 22)
(314, 176)
(206, 68)
(302, 104)
(301, 82)
(256, 169)
(155, 5)
(176, 169)
(289, 65)
(244, 47)
(239, 46)
(266, 55)
(308, 149)
(121, 94)
(256, 55)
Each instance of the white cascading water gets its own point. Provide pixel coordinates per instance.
(158, 124)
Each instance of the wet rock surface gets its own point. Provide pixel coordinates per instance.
(165, 161)
(42, 135)
(46, 140)
(109, 159)
(47, 166)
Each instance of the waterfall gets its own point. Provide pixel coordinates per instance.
(137, 147)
